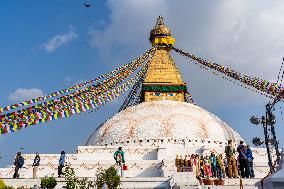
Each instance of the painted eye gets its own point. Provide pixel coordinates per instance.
(171, 94)
(157, 94)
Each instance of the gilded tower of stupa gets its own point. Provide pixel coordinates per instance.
(163, 80)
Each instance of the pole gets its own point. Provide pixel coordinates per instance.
(264, 122)
(269, 108)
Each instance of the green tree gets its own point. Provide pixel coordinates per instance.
(73, 182)
(48, 182)
(109, 177)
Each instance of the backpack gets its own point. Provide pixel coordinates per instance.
(21, 161)
(229, 152)
(119, 157)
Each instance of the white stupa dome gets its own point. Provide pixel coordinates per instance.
(162, 120)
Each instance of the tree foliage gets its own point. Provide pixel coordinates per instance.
(73, 182)
(109, 177)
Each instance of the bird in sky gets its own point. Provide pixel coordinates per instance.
(88, 4)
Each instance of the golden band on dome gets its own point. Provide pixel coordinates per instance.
(163, 40)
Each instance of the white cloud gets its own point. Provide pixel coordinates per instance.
(244, 35)
(24, 94)
(57, 41)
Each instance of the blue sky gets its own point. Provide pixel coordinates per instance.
(47, 46)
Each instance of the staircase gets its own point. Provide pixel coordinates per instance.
(189, 181)
(126, 183)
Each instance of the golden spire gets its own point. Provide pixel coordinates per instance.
(163, 80)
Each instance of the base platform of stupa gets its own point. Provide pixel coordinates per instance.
(146, 182)
(149, 167)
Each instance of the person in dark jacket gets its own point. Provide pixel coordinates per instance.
(250, 162)
(242, 159)
(19, 163)
(61, 163)
(36, 164)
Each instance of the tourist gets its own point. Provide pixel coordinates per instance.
(180, 163)
(119, 159)
(250, 162)
(35, 165)
(242, 159)
(19, 163)
(185, 161)
(201, 166)
(207, 167)
(220, 166)
(177, 163)
(61, 163)
(213, 164)
(194, 164)
(185, 167)
(231, 160)
(119, 156)
(225, 162)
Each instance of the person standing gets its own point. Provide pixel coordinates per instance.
(242, 159)
(231, 160)
(119, 159)
(213, 164)
(201, 165)
(220, 166)
(250, 162)
(180, 163)
(19, 163)
(61, 163)
(35, 165)
(207, 167)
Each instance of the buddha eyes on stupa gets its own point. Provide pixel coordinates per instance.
(157, 94)
(171, 94)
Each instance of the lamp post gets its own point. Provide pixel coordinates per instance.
(268, 121)
(269, 108)
(258, 142)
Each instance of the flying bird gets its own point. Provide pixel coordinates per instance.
(88, 4)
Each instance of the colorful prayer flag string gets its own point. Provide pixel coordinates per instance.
(264, 86)
(61, 92)
(82, 101)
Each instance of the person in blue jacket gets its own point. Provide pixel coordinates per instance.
(61, 163)
(213, 164)
(19, 163)
(250, 162)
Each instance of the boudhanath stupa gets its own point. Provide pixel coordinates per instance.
(165, 123)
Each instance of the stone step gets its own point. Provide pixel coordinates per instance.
(126, 183)
(229, 184)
